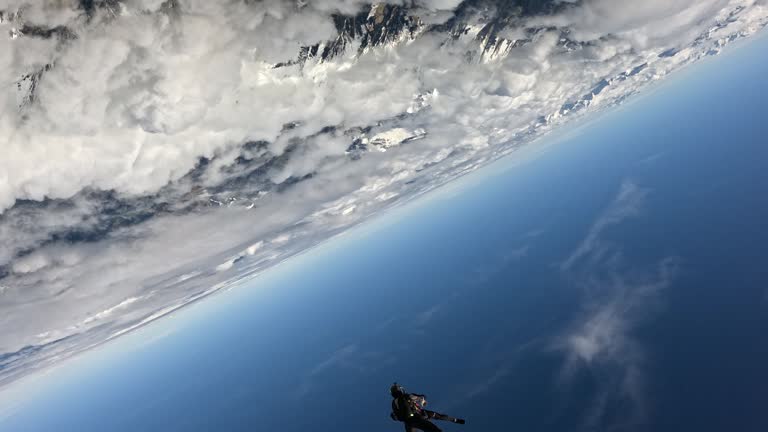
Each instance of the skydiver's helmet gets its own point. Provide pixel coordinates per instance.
(396, 390)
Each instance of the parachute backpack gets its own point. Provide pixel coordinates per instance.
(402, 406)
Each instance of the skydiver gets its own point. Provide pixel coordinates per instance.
(409, 409)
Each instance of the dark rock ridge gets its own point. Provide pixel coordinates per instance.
(374, 25)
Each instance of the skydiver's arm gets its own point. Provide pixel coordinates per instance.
(418, 398)
(438, 416)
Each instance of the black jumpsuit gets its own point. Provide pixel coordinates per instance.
(420, 419)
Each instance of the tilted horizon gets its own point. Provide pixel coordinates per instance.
(155, 152)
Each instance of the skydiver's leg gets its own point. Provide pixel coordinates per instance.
(443, 417)
(410, 427)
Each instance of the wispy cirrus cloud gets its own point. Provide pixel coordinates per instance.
(627, 203)
(618, 296)
(336, 359)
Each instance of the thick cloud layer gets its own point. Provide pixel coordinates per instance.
(156, 151)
